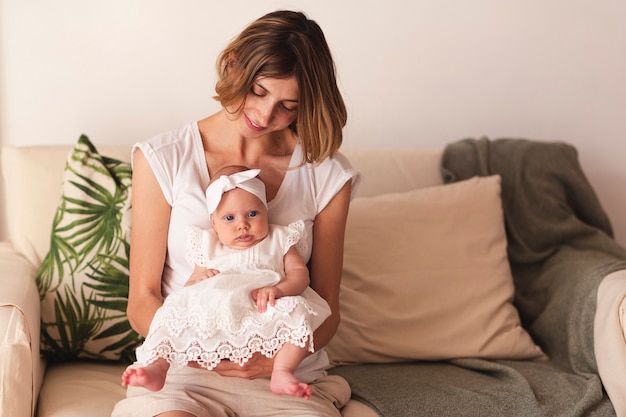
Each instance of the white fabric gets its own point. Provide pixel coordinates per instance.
(245, 180)
(217, 319)
(178, 161)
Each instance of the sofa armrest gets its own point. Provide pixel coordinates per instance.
(20, 364)
(610, 337)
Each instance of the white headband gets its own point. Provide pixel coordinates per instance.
(246, 180)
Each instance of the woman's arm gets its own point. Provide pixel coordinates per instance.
(150, 223)
(327, 259)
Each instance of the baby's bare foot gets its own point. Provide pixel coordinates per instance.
(151, 377)
(285, 383)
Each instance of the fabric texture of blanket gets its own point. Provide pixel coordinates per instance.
(560, 247)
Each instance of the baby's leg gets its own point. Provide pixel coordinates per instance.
(151, 376)
(283, 380)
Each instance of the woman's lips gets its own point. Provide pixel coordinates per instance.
(252, 126)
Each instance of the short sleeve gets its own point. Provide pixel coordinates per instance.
(330, 177)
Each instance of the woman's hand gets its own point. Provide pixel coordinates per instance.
(258, 366)
(200, 274)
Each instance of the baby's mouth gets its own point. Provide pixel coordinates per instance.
(244, 238)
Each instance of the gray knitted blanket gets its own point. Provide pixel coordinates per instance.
(560, 249)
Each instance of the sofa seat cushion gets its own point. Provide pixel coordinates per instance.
(90, 388)
(81, 388)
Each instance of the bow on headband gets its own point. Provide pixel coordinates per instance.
(246, 180)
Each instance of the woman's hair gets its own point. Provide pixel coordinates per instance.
(283, 44)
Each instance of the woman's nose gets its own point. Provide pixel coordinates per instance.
(266, 114)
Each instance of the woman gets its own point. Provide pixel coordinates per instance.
(283, 114)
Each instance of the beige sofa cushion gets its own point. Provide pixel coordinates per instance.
(33, 177)
(91, 389)
(68, 385)
(426, 276)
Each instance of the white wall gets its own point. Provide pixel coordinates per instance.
(414, 72)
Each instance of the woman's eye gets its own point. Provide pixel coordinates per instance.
(289, 109)
(253, 213)
(257, 91)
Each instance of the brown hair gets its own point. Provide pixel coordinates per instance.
(283, 44)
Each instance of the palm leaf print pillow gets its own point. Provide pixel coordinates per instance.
(83, 280)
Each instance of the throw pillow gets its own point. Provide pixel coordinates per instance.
(426, 277)
(83, 280)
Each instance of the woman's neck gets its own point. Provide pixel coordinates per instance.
(225, 145)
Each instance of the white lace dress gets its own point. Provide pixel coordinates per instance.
(217, 318)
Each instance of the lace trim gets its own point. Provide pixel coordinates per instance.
(297, 237)
(177, 319)
(195, 352)
(195, 253)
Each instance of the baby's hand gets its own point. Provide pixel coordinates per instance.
(266, 295)
(200, 274)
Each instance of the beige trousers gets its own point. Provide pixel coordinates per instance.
(207, 394)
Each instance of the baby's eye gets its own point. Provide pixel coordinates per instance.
(253, 213)
(229, 217)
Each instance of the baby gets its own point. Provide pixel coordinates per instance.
(249, 293)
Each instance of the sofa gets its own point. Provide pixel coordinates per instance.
(480, 279)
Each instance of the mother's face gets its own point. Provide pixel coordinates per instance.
(271, 105)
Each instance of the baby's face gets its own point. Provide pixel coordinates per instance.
(240, 220)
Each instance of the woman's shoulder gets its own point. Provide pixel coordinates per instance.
(333, 172)
(176, 141)
(175, 152)
(339, 160)
(177, 159)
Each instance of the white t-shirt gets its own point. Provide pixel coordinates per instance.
(178, 161)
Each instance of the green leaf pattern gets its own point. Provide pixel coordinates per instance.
(83, 280)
